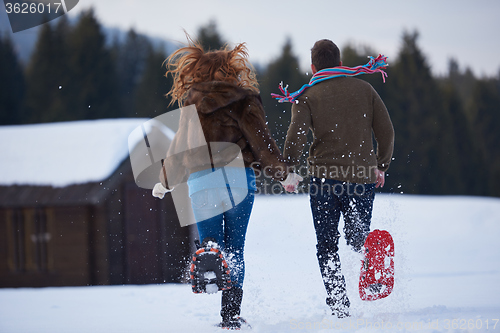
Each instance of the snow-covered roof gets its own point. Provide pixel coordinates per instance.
(65, 153)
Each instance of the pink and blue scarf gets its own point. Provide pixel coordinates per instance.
(373, 66)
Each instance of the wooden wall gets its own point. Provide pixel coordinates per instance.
(111, 232)
(44, 247)
(130, 238)
(157, 248)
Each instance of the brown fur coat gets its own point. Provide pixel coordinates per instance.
(227, 113)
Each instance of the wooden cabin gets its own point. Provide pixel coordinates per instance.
(71, 213)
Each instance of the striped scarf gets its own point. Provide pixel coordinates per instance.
(373, 66)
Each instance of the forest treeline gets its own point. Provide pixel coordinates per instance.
(447, 127)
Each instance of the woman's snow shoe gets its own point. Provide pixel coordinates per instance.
(209, 270)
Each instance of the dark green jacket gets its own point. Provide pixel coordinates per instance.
(342, 114)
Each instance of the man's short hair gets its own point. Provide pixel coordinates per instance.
(325, 54)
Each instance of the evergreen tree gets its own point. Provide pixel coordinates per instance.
(462, 81)
(422, 146)
(485, 112)
(284, 69)
(209, 37)
(130, 61)
(47, 75)
(93, 86)
(12, 85)
(151, 100)
(470, 159)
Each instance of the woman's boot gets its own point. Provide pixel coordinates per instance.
(230, 309)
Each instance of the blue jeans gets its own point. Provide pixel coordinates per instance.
(329, 199)
(218, 218)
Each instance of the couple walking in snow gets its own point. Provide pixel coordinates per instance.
(341, 111)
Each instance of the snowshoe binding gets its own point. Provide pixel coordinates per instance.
(209, 270)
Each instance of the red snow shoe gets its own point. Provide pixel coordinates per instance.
(377, 269)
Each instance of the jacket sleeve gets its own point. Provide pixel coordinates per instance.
(253, 125)
(383, 131)
(173, 170)
(296, 137)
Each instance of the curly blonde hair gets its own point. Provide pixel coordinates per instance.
(191, 64)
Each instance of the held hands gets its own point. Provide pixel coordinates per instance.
(159, 191)
(291, 182)
(380, 179)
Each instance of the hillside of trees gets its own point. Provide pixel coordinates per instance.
(447, 128)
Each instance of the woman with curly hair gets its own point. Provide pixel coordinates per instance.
(222, 86)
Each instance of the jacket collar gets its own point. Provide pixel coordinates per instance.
(211, 96)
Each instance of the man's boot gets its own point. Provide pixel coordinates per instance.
(334, 283)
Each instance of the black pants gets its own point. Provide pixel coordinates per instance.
(329, 199)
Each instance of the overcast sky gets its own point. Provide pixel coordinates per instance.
(466, 30)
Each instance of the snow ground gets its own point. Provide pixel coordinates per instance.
(447, 279)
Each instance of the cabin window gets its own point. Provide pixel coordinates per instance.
(30, 237)
(19, 241)
(40, 238)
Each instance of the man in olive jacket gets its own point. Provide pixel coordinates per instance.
(343, 113)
